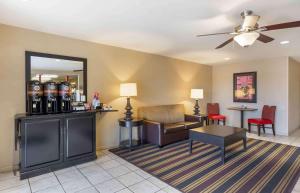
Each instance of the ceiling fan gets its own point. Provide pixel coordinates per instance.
(247, 33)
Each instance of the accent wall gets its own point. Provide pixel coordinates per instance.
(160, 80)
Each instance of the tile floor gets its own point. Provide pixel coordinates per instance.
(108, 174)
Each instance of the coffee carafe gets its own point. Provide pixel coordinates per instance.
(64, 97)
(50, 97)
(34, 97)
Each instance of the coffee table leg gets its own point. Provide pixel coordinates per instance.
(223, 154)
(245, 143)
(190, 146)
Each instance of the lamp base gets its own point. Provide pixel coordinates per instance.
(196, 108)
(128, 113)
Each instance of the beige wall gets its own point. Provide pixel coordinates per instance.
(160, 80)
(272, 85)
(294, 95)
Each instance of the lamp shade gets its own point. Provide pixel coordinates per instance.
(246, 39)
(197, 93)
(128, 89)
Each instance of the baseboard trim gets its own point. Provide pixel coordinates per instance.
(291, 132)
(8, 168)
(101, 148)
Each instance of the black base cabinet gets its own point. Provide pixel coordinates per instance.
(51, 142)
(79, 137)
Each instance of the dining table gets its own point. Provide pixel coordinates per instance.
(242, 110)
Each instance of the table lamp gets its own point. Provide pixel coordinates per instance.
(197, 94)
(128, 90)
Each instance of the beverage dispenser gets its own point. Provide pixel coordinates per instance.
(50, 97)
(64, 97)
(34, 97)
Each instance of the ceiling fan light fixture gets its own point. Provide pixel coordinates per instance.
(250, 22)
(246, 39)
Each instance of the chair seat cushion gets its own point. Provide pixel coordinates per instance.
(217, 117)
(260, 121)
(190, 124)
(173, 127)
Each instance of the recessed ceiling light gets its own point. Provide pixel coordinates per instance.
(227, 58)
(284, 42)
(57, 60)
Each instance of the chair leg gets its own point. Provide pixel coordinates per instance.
(224, 122)
(258, 129)
(273, 128)
(263, 126)
(213, 121)
(218, 121)
(249, 127)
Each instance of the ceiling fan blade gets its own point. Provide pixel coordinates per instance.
(225, 43)
(281, 26)
(265, 39)
(222, 33)
(250, 21)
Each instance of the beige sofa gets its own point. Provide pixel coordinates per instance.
(166, 124)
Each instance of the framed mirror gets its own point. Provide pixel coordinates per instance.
(57, 68)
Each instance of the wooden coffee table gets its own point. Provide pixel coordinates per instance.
(218, 135)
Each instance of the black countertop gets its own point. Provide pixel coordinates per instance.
(28, 116)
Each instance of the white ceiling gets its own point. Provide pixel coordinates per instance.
(164, 27)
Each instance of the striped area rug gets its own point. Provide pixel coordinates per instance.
(265, 167)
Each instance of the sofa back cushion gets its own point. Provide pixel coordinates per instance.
(163, 113)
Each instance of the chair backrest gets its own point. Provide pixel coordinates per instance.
(268, 112)
(213, 109)
(163, 113)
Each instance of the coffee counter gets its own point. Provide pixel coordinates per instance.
(54, 141)
(28, 116)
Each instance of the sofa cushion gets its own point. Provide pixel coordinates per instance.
(190, 125)
(173, 128)
(163, 113)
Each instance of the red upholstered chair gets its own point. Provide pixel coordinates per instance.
(267, 118)
(213, 112)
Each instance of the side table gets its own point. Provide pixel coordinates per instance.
(136, 122)
(242, 112)
(203, 118)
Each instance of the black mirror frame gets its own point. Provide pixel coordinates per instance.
(28, 55)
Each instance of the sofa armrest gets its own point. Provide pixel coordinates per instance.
(192, 118)
(152, 122)
(154, 131)
(153, 125)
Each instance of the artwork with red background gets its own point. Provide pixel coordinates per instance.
(244, 87)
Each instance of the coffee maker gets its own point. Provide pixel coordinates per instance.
(50, 97)
(64, 97)
(34, 97)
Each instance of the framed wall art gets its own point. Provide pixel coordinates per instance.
(244, 87)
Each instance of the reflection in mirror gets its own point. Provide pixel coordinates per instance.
(55, 83)
(58, 70)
